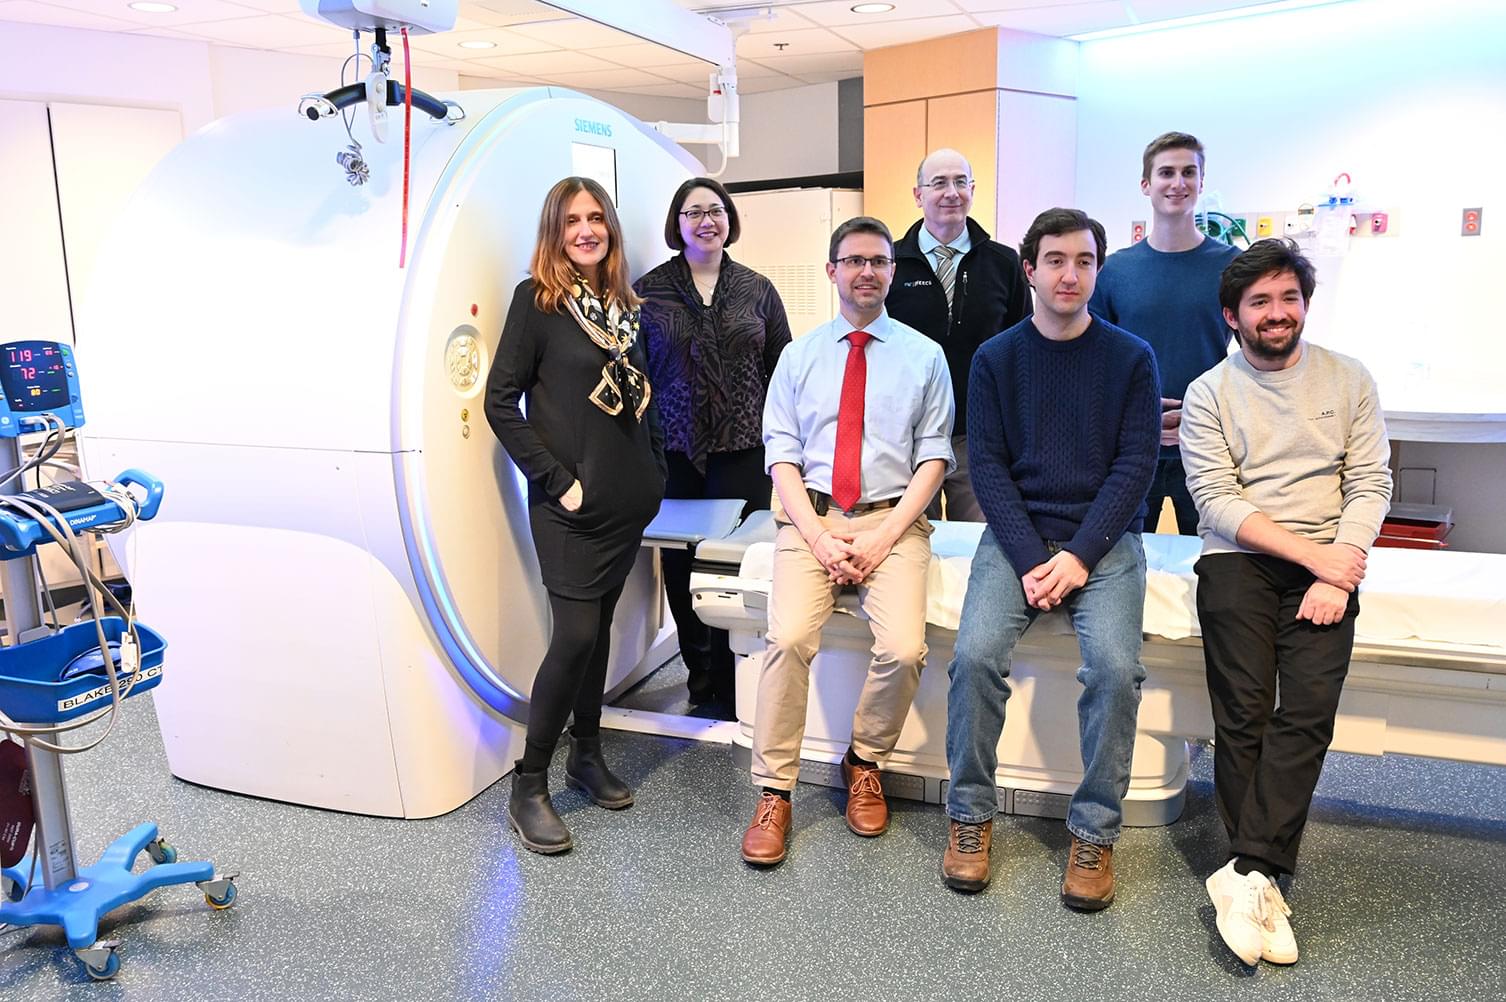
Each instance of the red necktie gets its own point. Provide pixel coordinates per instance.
(847, 463)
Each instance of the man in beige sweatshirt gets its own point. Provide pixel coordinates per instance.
(1287, 461)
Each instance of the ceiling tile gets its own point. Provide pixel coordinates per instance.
(839, 13)
(267, 31)
(831, 66)
(613, 79)
(574, 33)
(806, 42)
(665, 89)
(973, 6)
(269, 6)
(539, 64)
(763, 85)
(699, 75)
(1059, 21)
(188, 12)
(877, 35)
(29, 12)
(507, 43)
(166, 33)
(646, 55)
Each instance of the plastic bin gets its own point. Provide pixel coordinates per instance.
(30, 692)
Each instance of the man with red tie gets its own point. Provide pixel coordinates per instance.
(857, 432)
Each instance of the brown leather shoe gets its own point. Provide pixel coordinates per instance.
(764, 841)
(965, 865)
(1089, 884)
(867, 810)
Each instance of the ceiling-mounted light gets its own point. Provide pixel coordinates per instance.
(152, 7)
(872, 8)
(477, 43)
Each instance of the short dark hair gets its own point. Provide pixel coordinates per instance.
(672, 221)
(1265, 257)
(858, 224)
(1171, 141)
(1055, 222)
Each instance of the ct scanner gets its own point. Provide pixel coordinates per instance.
(344, 565)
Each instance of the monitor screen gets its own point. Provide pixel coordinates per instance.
(599, 163)
(34, 376)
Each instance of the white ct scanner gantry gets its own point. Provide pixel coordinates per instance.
(344, 565)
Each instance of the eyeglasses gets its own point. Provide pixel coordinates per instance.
(856, 262)
(694, 215)
(941, 184)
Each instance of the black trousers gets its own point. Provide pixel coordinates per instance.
(1267, 757)
(1170, 481)
(572, 676)
(737, 474)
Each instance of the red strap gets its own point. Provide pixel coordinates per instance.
(847, 462)
(402, 254)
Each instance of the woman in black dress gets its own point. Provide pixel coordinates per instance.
(714, 330)
(591, 449)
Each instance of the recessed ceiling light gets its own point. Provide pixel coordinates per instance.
(477, 43)
(872, 8)
(149, 7)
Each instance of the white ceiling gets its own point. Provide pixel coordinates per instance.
(797, 42)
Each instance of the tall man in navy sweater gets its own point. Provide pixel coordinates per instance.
(1063, 429)
(1165, 289)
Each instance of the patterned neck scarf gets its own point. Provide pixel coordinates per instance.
(614, 331)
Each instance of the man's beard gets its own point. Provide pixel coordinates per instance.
(1259, 346)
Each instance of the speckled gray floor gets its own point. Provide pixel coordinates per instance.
(1400, 898)
(664, 691)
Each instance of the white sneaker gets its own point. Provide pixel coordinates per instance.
(1277, 944)
(1240, 901)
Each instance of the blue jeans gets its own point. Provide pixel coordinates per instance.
(1107, 614)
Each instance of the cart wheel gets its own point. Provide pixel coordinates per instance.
(162, 851)
(109, 970)
(222, 902)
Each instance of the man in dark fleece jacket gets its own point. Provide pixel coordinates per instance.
(957, 287)
(1063, 430)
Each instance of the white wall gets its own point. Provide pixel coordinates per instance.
(787, 133)
(1409, 98)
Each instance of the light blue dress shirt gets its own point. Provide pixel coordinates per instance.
(929, 243)
(908, 406)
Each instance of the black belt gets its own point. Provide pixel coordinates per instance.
(823, 503)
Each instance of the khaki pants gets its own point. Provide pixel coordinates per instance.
(894, 599)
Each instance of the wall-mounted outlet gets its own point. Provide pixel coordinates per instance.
(1379, 223)
(1265, 226)
(1469, 225)
(1137, 231)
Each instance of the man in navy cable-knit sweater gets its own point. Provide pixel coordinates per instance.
(1063, 430)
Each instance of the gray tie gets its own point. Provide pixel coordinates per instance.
(945, 271)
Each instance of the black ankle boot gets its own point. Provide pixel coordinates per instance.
(586, 770)
(532, 816)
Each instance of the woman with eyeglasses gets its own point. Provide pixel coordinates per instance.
(593, 454)
(714, 330)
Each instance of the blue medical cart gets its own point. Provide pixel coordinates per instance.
(37, 378)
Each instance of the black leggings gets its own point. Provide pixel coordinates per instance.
(572, 676)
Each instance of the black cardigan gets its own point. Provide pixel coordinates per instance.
(618, 460)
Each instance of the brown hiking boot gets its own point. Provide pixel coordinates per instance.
(965, 865)
(1089, 884)
(867, 810)
(763, 843)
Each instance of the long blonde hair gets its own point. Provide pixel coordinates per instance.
(552, 269)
